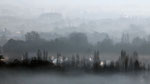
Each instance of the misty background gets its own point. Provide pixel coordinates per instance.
(104, 25)
(74, 27)
(87, 15)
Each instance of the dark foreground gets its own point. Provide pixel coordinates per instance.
(74, 70)
(125, 63)
(46, 77)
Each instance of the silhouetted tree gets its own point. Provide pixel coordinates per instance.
(96, 63)
(73, 60)
(58, 58)
(39, 55)
(1, 61)
(45, 55)
(32, 36)
(14, 46)
(77, 60)
(25, 58)
(136, 65)
(123, 60)
(135, 55)
(16, 62)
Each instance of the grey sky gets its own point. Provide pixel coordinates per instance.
(123, 7)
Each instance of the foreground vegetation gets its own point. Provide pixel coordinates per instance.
(73, 63)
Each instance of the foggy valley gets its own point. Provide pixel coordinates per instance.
(74, 41)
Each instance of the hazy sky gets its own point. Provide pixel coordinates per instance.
(122, 7)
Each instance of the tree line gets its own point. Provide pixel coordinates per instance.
(76, 42)
(76, 62)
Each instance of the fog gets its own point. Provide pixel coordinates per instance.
(134, 7)
(85, 15)
(98, 19)
(74, 41)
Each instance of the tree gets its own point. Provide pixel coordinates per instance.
(96, 61)
(135, 55)
(58, 58)
(125, 38)
(77, 60)
(39, 55)
(137, 41)
(123, 54)
(96, 57)
(32, 36)
(45, 55)
(106, 45)
(78, 38)
(73, 60)
(1, 57)
(3, 39)
(14, 46)
(1, 61)
(78, 42)
(25, 56)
